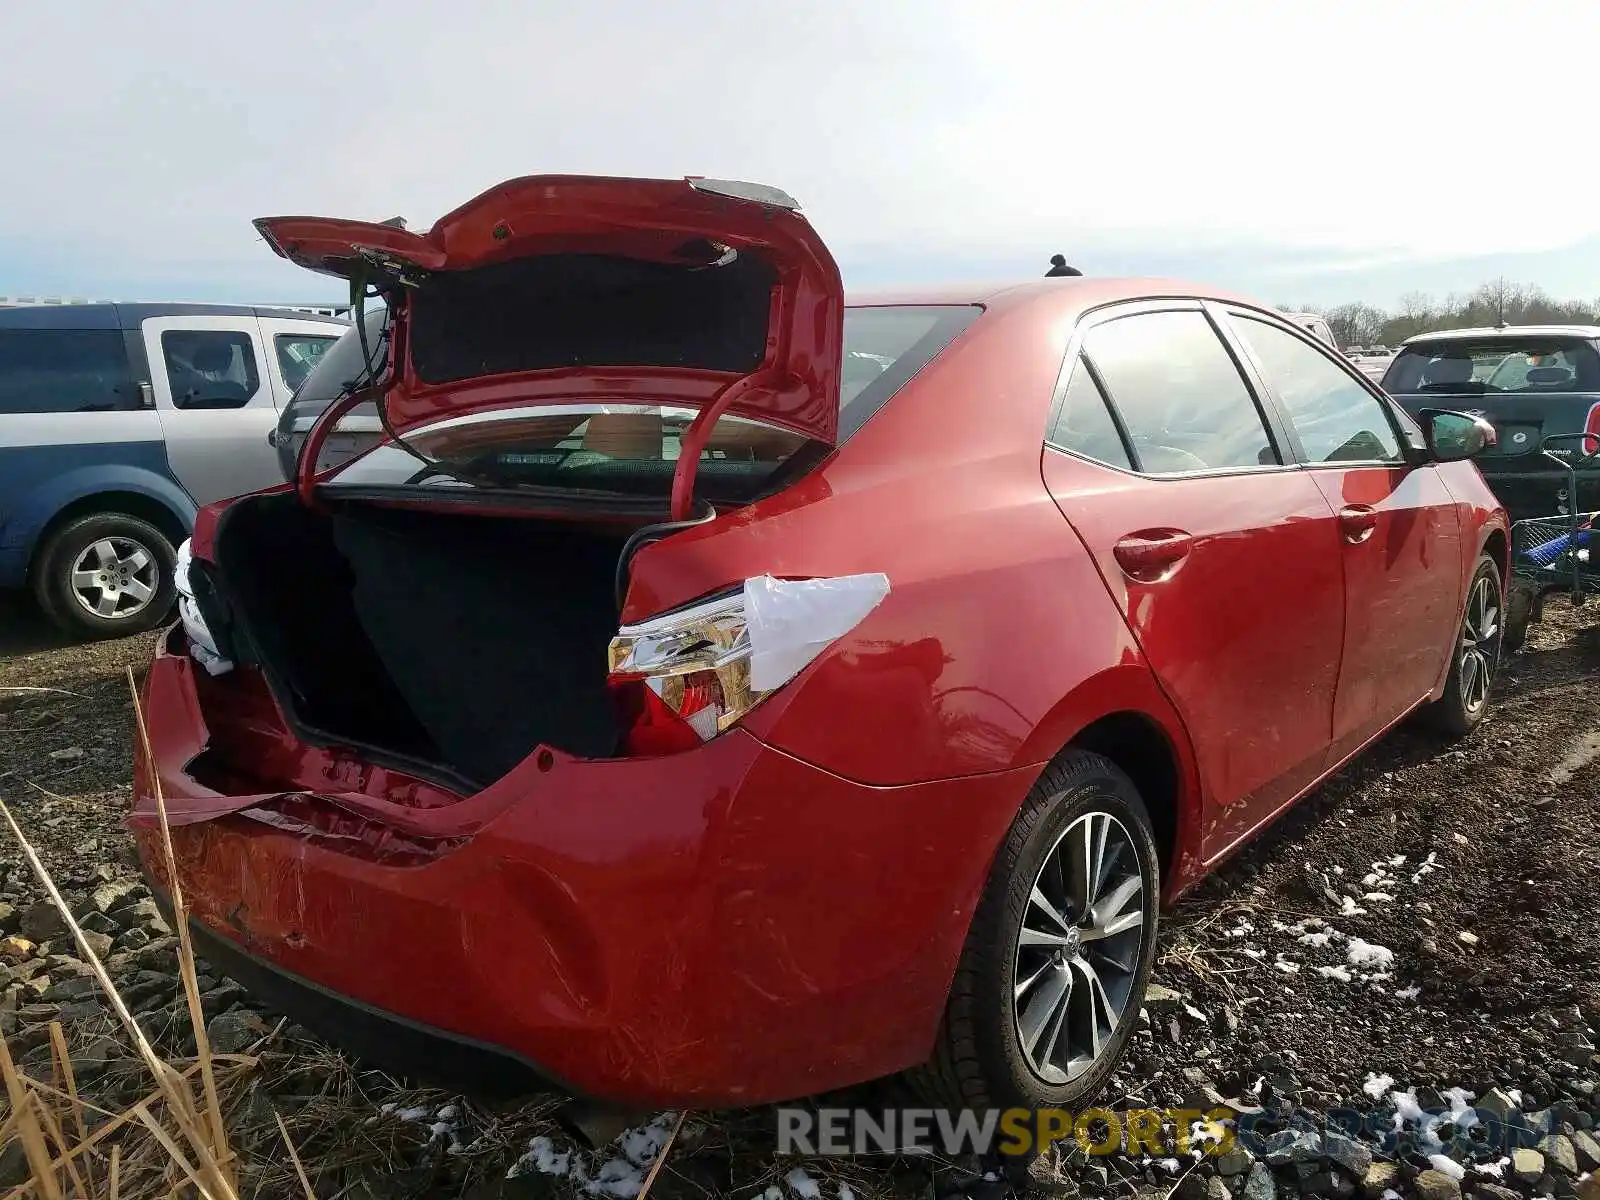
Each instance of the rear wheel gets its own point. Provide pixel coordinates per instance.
(106, 575)
(1477, 655)
(1055, 965)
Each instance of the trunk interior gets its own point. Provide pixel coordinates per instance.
(458, 642)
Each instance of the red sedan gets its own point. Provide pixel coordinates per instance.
(714, 692)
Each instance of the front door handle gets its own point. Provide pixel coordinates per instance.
(1152, 555)
(1356, 522)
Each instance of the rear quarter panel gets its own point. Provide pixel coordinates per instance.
(998, 640)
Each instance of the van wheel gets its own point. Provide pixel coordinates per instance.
(1476, 656)
(106, 575)
(1054, 969)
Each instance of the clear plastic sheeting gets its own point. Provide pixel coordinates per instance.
(202, 647)
(791, 622)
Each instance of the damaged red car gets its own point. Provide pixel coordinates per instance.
(713, 691)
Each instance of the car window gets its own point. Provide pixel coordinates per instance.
(297, 354)
(1337, 419)
(1181, 397)
(1084, 424)
(65, 370)
(210, 368)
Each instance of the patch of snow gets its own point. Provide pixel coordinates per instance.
(1243, 928)
(1495, 1169)
(802, 1185)
(1339, 973)
(1317, 939)
(1338, 870)
(1351, 908)
(772, 1193)
(1288, 968)
(1446, 1165)
(542, 1156)
(1372, 880)
(447, 1113)
(1254, 953)
(846, 1192)
(1399, 860)
(1407, 993)
(1377, 1085)
(640, 1145)
(1379, 897)
(1170, 1164)
(1427, 866)
(413, 1114)
(1367, 954)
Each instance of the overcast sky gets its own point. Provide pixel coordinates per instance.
(1301, 151)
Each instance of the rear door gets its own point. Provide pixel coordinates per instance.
(1226, 561)
(1399, 530)
(213, 393)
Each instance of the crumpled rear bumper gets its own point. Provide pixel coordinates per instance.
(725, 926)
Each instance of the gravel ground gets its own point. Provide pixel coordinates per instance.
(1425, 922)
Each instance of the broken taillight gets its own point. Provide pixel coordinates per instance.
(684, 677)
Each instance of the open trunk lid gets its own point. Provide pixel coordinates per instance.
(555, 289)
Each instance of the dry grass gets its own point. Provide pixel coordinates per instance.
(170, 1138)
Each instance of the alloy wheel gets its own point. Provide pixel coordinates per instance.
(1480, 643)
(115, 578)
(1078, 950)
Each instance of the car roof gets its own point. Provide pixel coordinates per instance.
(128, 316)
(1079, 292)
(1506, 331)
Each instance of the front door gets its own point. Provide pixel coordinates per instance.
(214, 397)
(1398, 530)
(1224, 559)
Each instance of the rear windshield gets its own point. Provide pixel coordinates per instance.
(634, 449)
(1526, 366)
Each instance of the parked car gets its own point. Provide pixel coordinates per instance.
(330, 380)
(1373, 365)
(116, 421)
(1529, 382)
(1316, 326)
(721, 692)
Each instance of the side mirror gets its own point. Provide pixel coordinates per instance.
(1453, 436)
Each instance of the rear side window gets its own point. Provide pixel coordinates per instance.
(65, 370)
(210, 368)
(1084, 424)
(1179, 393)
(1336, 418)
(297, 354)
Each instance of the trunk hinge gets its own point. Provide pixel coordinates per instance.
(698, 434)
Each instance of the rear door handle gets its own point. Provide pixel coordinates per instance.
(1152, 555)
(1356, 522)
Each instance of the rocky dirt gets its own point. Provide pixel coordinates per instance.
(1419, 935)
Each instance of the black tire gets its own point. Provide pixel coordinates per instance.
(1466, 696)
(979, 1061)
(1522, 609)
(52, 575)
